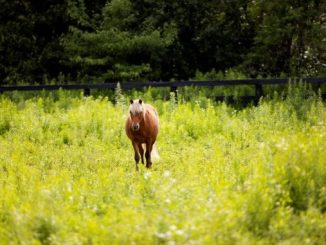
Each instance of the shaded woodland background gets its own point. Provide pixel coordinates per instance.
(61, 41)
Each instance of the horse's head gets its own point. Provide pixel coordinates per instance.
(136, 111)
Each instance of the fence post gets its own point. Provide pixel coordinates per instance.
(259, 91)
(175, 91)
(87, 92)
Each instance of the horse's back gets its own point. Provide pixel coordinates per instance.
(152, 111)
(152, 119)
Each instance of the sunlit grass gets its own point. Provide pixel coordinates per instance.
(255, 175)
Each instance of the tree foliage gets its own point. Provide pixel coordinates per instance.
(29, 39)
(290, 37)
(124, 46)
(117, 40)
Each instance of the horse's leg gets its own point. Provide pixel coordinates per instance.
(136, 149)
(141, 151)
(149, 147)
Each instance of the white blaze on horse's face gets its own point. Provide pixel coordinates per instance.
(136, 111)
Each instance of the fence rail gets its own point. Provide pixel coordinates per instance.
(258, 83)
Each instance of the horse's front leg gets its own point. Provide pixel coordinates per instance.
(136, 149)
(149, 147)
(141, 151)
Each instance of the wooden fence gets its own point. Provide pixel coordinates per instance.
(257, 83)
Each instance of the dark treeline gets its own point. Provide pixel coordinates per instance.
(105, 41)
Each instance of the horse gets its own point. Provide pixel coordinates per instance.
(142, 127)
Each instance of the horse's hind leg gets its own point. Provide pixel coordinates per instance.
(141, 151)
(149, 147)
(136, 149)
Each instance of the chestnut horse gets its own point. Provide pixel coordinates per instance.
(142, 128)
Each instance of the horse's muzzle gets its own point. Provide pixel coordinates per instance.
(135, 127)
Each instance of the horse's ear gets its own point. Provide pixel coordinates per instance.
(140, 101)
(131, 101)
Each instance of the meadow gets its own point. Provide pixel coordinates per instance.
(226, 175)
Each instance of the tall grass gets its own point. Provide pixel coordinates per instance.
(255, 175)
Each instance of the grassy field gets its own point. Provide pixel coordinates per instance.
(255, 175)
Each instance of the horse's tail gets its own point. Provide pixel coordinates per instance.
(154, 154)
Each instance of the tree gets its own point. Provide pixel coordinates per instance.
(29, 42)
(115, 40)
(289, 38)
(126, 45)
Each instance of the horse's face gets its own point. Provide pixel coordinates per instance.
(136, 111)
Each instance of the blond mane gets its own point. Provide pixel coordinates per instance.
(137, 106)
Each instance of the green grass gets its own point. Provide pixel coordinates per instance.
(255, 175)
